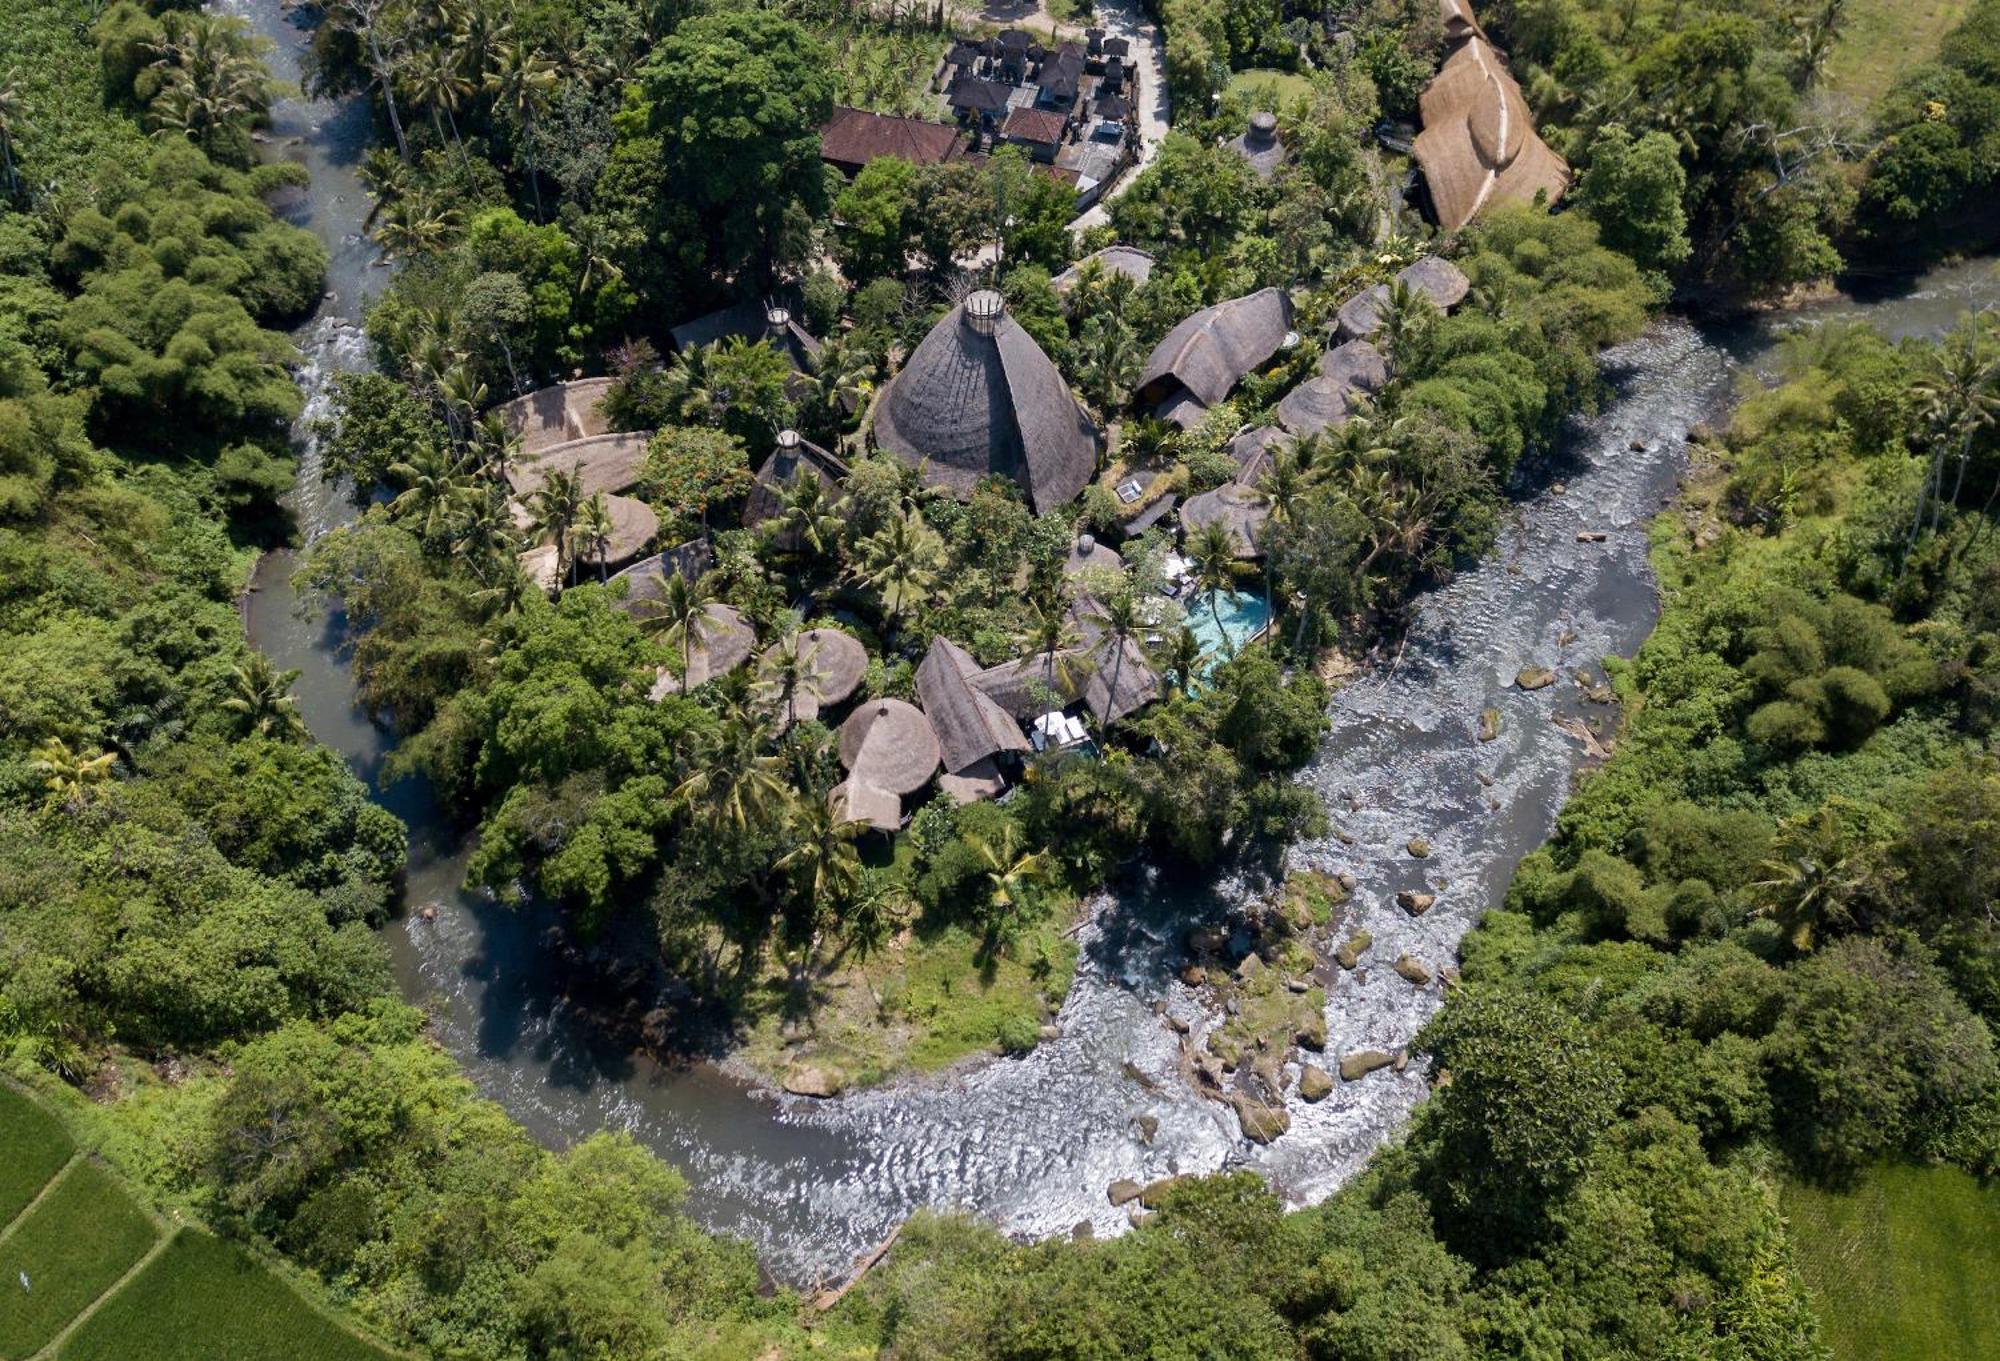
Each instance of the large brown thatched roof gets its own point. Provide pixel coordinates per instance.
(722, 643)
(608, 463)
(1479, 144)
(1113, 691)
(1253, 450)
(969, 725)
(980, 780)
(556, 415)
(1459, 23)
(1130, 261)
(753, 319)
(1260, 145)
(1210, 352)
(1439, 280)
(645, 582)
(978, 397)
(890, 745)
(835, 663)
(1238, 508)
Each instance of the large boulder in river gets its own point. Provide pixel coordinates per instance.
(1262, 1124)
(1535, 678)
(1362, 1062)
(1413, 969)
(805, 1079)
(1489, 724)
(1349, 954)
(1315, 1083)
(1415, 903)
(1311, 1032)
(1122, 1190)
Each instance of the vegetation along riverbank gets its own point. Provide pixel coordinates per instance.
(784, 543)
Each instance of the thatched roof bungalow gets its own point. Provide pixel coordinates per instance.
(979, 397)
(556, 415)
(835, 663)
(774, 322)
(1241, 510)
(971, 728)
(889, 745)
(1348, 375)
(1210, 352)
(854, 800)
(723, 642)
(1260, 146)
(603, 463)
(1478, 145)
(1441, 281)
(793, 457)
(1130, 261)
(646, 581)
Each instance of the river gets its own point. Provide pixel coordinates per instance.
(1033, 1142)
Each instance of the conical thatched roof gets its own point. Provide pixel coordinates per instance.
(1241, 510)
(1479, 145)
(978, 397)
(835, 662)
(722, 643)
(1210, 352)
(556, 415)
(889, 744)
(970, 727)
(646, 582)
(1253, 449)
(1087, 554)
(792, 457)
(1439, 280)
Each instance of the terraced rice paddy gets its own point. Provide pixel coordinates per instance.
(89, 1274)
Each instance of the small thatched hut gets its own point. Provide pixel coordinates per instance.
(979, 397)
(723, 641)
(773, 321)
(854, 800)
(794, 455)
(646, 581)
(971, 728)
(634, 526)
(1439, 280)
(1130, 261)
(835, 663)
(1260, 145)
(1347, 375)
(1209, 353)
(556, 415)
(1241, 510)
(889, 745)
(1479, 144)
(1087, 554)
(1253, 451)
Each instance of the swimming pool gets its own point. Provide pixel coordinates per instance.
(1243, 618)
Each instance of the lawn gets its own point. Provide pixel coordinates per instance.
(203, 1299)
(1277, 87)
(1882, 39)
(32, 1146)
(81, 1238)
(1905, 1267)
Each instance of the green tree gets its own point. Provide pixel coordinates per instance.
(1635, 188)
(874, 214)
(690, 471)
(262, 701)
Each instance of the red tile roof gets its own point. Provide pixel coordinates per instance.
(854, 137)
(1035, 125)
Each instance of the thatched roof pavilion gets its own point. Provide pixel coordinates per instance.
(970, 727)
(1114, 692)
(1479, 145)
(1243, 511)
(1212, 351)
(1260, 145)
(646, 581)
(1087, 554)
(722, 643)
(556, 415)
(1348, 375)
(1130, 261)
(1253, 449)
(890, 745)
(1441, 281)
(774, 321)
(980, 780)
(633, 529)
(793, 455)
(854, 800)
(835, 663)
(978, 397)
(607, 463)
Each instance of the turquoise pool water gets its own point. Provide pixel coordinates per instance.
(1243, 618)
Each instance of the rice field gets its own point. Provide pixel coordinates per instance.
(1904, 1267)
(74, 1255)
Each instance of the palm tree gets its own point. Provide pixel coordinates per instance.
(70, 776)
(1109, 356)
(263, 698)
(1958, 398)
(808, 515)
(553, 509)
(593, 532)
(823, 860)
(10, 128)
(1212, 553)
(435, 82)
(434, 489)
(462, 393)
(738, 786)
(1813, 882)
(212, 76)
(369, 22)
(486, 536)
(1407, 315)
(1052, 632)
(1283, 485)
(1013, 877)
(520, 81)
(507, 596)
(785, 672)
(1181, 658)
(680, 617)
(417, 224)
(1122, 621)
(901, 562)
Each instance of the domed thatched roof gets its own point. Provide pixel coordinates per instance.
(601, 463)
(722, 643)
(1479, 144)
(969, 725)
(835, 662)
(1130, 261)
(556, 415)
(889, 744)
(978, 396)
(1243, 511)
(1211, 351)
(1260, 146)
(855, 800)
